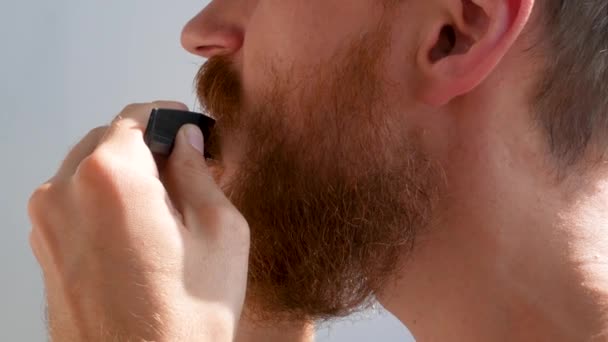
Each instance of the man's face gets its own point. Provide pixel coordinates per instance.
(315, 147)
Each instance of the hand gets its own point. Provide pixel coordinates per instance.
(128, 257)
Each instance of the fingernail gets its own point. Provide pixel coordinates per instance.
(195, 138)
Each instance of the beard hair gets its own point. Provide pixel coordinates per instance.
(334, 202)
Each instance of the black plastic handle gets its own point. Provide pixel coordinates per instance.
(165, 123)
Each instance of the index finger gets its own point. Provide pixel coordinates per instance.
(124, 138)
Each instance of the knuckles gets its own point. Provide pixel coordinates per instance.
(131, 107)
(43, 201)
(34, 245)
(241, 232)
(98, 131)
(97, 171)
(46, 214)
(100, 179)
(224, 221)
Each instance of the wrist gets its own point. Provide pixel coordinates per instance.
(209, 322)
(212, 328)
(135, 320)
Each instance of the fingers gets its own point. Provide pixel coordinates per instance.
(190, 183)
(44, 209)
(131, 123)
(82, 150)
(123, 137)
(124, 140)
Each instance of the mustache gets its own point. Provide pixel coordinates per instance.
(218, 88)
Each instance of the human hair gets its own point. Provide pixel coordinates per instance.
(571, 104)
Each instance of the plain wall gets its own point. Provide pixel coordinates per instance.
(66, 67)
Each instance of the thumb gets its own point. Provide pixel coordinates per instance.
(188, 179)
(193, 136)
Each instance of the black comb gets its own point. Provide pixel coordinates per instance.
(164, 125)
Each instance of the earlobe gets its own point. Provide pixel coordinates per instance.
(461, 50)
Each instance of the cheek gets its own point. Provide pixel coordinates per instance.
(289, 39)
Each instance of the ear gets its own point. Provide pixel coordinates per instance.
(465, 43)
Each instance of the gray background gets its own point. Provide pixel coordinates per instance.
(66, 67)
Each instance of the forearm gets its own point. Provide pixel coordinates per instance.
(155, 327)
(104, 334)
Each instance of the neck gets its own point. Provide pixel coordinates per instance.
(512, 263)
(297, 332)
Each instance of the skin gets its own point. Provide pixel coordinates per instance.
(120, 248)
(514, 253)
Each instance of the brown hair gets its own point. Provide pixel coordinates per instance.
(334, 186)
(572, 101)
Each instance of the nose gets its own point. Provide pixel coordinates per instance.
(216, 30)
